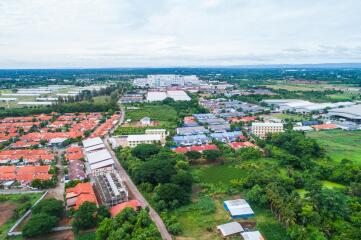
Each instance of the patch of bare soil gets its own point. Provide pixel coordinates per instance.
(63, 235)
(6, 211)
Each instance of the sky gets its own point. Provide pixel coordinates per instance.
(177, 33)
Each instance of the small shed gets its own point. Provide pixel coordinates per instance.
(230, 229)
(238, 208)
(254, 235)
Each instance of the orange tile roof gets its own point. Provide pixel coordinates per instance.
(7, 169)
(74, 156)
(115, 210)
(325, 126)
(83, 192)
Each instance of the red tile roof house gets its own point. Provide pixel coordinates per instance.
(115, 210)
(82, 192)
(25, 174)
(238, 145)
(195, 148)
(33, 157)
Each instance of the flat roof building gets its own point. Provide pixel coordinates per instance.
(110, 188)
(352, 113)
(261, 129)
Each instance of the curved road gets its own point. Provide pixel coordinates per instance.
(135, 192)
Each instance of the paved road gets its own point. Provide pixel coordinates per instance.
(135, 192)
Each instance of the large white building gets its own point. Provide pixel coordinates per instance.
(167, 80)
(303, 106)
(261, 129)
(176, 95)
(151, 136)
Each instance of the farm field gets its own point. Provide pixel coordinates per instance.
(340, 144)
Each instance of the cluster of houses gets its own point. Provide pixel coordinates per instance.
(238, 209)
(105, 187)
(34, 141)
(24, 175)
(200, 130)
(53, 129)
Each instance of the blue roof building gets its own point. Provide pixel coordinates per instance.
(238, 208)
(190, 140)
(227, 136)
(202, 116)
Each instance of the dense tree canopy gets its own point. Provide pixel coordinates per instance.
(128, 225)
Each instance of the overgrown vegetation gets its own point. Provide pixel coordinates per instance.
(128, 225)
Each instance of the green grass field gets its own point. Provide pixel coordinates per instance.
(165, 115)
(294, 117)
(199, 219)
(155, 112)
(340, 144)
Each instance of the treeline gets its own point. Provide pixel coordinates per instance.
(62, 108)
(320, 213)
(163, 174)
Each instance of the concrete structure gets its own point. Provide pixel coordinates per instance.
(161, 132)
(110, 188)
(100, 161)
(134, 140)
(238, 208)
(261, 129)
(230, 229)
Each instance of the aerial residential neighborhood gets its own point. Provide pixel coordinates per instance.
(181, 150)
(180, 120)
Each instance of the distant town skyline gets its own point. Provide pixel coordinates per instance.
(162, 33)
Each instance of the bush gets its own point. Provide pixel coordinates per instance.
(50, 206)
(39, 224)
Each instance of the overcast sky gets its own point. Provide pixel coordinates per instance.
(136, 33)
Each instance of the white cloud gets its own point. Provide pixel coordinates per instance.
(123, 33)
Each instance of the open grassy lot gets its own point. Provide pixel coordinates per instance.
(155, 112)
(294, 117)
(340, 144)
(199, 219)
(165, 115)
